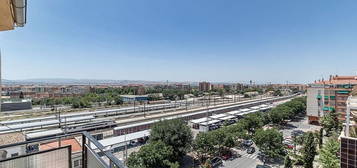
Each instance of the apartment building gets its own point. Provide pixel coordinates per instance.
(204, 86)
(181, 86)
(44, 91)
(217, 86)
(326, 95)
(299, 87)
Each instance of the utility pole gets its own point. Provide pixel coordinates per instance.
(125, 152)
(134, 105)
(186, 104)
(209, 98)
(144, 109)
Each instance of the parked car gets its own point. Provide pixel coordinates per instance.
(227, 154)
(289, 143)
(251, 150)
(290, 146)
(143, 140)
(213, 127)
(296, 133)
(133, 143)
(247, 142)
(230, 122)
(216, 162)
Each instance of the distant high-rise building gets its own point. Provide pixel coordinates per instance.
(205, 86)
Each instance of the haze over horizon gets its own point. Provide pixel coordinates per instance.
(264, 41)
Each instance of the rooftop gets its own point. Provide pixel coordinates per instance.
(75, 146)
(11, 138)
(133, 96)
(338, 80)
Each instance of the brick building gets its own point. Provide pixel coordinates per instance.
(205, 86)
(326, 95)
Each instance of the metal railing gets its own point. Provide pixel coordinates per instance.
(93, 153)
(109, 161)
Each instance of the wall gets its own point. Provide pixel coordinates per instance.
(312, 108)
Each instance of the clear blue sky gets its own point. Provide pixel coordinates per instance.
(184, 40)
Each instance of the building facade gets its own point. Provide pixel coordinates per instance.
(327, 95)
(205, 86)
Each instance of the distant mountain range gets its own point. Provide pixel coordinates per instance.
(64, 81)
(69, 81)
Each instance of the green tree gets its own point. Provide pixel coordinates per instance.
(21, 95)
(321, 136)
(219, 137)
(118, 100)
(277, 93)
(276, 116)
(221, 92)
(328, 154)
(237, 131)
(228, 141)
(309, 150)
(153, 155)
(252, 122)
(269, 142)
(76, 103)
(330, 122)
(203, 145)
(174, 133)
(287, 162)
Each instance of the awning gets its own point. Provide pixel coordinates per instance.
(343, 92)
(318, 96)
(328, 108)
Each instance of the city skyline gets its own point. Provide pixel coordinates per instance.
(183, 41)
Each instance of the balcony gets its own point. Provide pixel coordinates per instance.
(89, 153)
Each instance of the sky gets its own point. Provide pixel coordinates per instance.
(184, 40)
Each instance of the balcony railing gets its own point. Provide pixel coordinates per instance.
(92, 155)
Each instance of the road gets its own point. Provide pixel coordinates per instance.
(245, 161)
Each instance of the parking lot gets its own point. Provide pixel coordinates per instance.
(298, 125)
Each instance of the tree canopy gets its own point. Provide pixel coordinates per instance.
(269, 142)
(328, 154)
(174, 133)
(287, 162)
(309, 150)
(153, 155)
(330, 122)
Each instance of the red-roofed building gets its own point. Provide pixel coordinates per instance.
(76, 149)
(324, 96)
